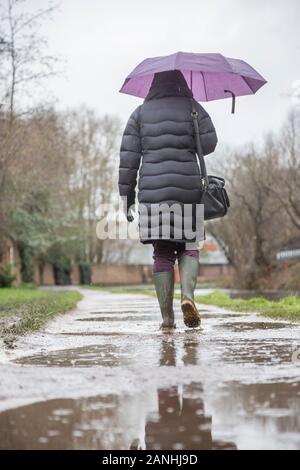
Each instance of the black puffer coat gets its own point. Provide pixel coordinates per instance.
(158, 142)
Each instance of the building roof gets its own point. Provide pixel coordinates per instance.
(290, 250)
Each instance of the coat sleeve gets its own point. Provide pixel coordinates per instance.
(130, 158)
(208, 135)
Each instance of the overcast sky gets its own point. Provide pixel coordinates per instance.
(103, 40)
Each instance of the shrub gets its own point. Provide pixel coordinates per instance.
(62, 268)
(85, 273)
(6, 275)
(27, 262)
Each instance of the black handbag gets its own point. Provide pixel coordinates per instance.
(214, 195)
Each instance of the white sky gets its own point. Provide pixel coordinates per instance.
(102, 41)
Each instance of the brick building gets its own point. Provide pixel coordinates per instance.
(137, 269)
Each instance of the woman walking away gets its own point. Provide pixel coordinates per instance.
(159, 144)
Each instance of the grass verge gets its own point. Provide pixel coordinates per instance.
(287, 308)
(27, 309)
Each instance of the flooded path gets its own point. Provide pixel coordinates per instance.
(105, 377)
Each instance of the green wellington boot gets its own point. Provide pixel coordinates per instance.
(188, 270)
(164, 286)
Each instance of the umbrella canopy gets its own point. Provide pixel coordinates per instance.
(209, 76)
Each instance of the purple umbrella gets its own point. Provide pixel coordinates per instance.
(209, 76)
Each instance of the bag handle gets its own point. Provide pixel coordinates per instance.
(204, 177)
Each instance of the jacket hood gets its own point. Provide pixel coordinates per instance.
(169, 83)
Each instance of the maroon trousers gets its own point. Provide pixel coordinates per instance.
(166, 252)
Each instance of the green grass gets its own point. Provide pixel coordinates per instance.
(285, 309)
(27, 309)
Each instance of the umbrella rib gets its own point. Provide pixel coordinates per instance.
(248, 85)
(204, 84)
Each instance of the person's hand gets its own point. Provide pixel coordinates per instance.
(128, 211)
(129, 216)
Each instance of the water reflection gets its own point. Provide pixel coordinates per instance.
(261, 415)
(181, 421)
(194, 415)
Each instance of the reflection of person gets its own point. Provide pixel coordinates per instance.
(181, 422)
(161, 132)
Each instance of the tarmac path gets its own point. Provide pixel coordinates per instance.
(105, 377)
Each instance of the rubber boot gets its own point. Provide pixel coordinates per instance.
(164, 286)
(188, 270)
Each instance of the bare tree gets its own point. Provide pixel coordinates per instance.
(24, 64)
(24, 60)
(94, 147)
(256, 224)
(288, 192)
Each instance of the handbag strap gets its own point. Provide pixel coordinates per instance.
(204, 177)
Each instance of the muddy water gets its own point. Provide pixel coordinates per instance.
(105, 377)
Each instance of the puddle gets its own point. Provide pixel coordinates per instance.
(107, 355)
(259, 352)
(92, 333)
(253, 326)
(181, 422)
(119, 318)
(178, 422)
(176, 418)
(263, 416)
(129, 313)
(222, 316)
(230, 386)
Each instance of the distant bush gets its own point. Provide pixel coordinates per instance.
(62, 264)
(62, 268)
(26, 253)
(85, 273)
(6, 275)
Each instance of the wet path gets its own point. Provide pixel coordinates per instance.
(104, 377)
